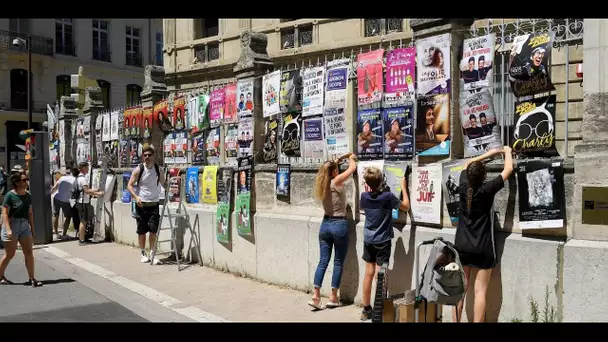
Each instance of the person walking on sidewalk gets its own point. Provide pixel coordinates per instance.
(474, 238)
(62, 191)
(18, 227)
(377, 203)
(83, 201)
(329, 188)
(146, 177)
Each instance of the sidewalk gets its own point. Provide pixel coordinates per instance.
(222, 294)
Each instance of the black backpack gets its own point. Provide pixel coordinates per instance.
(76, 189)
(141, 172)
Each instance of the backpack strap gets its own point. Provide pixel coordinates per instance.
(141, 171)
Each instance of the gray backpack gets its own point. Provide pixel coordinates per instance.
(439, 284)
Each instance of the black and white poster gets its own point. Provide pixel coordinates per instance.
(541, 194)
(450, 182)
(529, 72)
(270, 141)
(534, 132)
(291, 137)
(477, 62)
(480, 130)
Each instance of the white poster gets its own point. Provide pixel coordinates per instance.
(477, 62)
(245, 137)
(193, 112)
(313, 91)
(271, 85)
(433, 66)
(313, 139)
(114, 125)
(244, 101)
(425, 193)
(335, 90)
(361, 167)
(105, 134)
(180, 152)
(479, 125)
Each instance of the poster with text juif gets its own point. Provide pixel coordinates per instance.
(425, 194)
(369, 79)
(243, 197)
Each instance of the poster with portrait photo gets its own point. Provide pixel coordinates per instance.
(245, 99)
(175, 184)
(148, 117)
(242, 206)
(283, 178)
(231, 144)
(135, 150)
(198, 150)
(398, 128)
(369, 134)
(433, 125)
(541, 194)
(529, 72)
(370, 79)
(433, 67)
(224, 194)
(400, 77)
(480, 130)
(180, 147)
(271, 87)
(291, 92)
(127, 115)
(203, 113)
(477, 63)
(163, 118)
(313, 89)
(314, 147)
(110, 149)
(105, 134)
(212, 146)
(245, 137)
(291, 135)
(179, 113)
(137, 122)
(270, 141)
(534, 131)
(216, 106)
(450, 182)
(425, 193)
(168, 156)
(123, 153)
(230, 104)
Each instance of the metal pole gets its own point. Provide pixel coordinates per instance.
(567, 95)
(29, 82)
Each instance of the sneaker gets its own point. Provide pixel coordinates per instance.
(156, 261)
(58, 237)
(366, 314)
(144, 258)
(82, 243)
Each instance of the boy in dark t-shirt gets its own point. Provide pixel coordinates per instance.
(378, 206)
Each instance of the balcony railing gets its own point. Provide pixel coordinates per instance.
(40, 45)
(103, 55)
(67, 49)
(134, 59)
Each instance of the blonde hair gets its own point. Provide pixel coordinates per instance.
(373, 177)
(323, 179)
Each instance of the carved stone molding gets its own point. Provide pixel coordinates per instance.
(154, 81)
(67, 106)
(92, 98)
(254, 54)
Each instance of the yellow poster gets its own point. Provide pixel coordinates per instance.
(210, 184)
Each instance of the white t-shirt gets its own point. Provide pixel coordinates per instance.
(83, 181)
(148, 188)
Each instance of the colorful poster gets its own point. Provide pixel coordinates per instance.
(193, 114)
(450, 182)
(271, 86)
(425, 193)
(400, 77)
(369, 134)
(168, 156)
(216, 106)
(534, 132)
(135, 150)
(245, 138)
(231, 143)
(290, 139)
(127, 123)
(123, 153)
(137, 122)
(230, 104)
(203, 112)
(163, 118)
(314, 146)
(541, 194)
(210, 184)
(243, 197)
(175, 183)
(361, 167)
(114, 125)
(283, 177)
(270, 141)
(480, 131)
(148, 123)
(433, 125)
(291, 92)
(212, 146)
(477, 63)
(369, 78)
(433, 67)
(126, 195)
(192, 185)
(313, 82)
(179, 113)
(224, 193)
(398, 129)
(529, 64)
(180, 147)
(337, 82)
(245, 100)
(393, 174)
(198, 150)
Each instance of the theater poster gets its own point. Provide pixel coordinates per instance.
(243, 197)
(230, 104)
(450, 183)
(334, 108)
(192, 115)
(271, 86)
(192, 185)
(534, 132)
(398, 128)
(361, 167)
(291, 136)
(216, 107)
(180, 147)
(369, 134)
(245, 99)
(480, 130)
(203, 112)
(529, 72)
(291, 92)
(224, 195)
(433, 125)
(314, 147)
(313, 89)
(393, 174)
(369, 79)
(209, 187)
(148, 123)
(477, 63)
(179, 113)
(433, 67)
(400, 77)
(162, 116)
(231, 144)
(270, 141)
(198, 150)
(212, 146)
(175, 184)
(245, 137)
(283, 181)
(541, 194)
(425, 193)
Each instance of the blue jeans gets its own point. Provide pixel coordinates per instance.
(20, 228)
(333, 232)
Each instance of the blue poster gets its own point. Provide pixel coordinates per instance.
(398, 137)
(369, 134)
(192, 185)
(282, 180)
(126, 195)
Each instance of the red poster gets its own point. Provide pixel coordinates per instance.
(136, 121)
(161, 115)
(230, 104)
(369, 78)
(148, 116)
(179, 114)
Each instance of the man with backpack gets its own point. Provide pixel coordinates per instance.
(61, 193)
(146, 177)
(82, 194)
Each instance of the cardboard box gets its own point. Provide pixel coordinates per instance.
(405, 309)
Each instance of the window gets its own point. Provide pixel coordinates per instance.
(159, 49)
(64, 87)
(133, 94)
(18, 89)
(207, 52)
(292, 37)
(205, 28)
(19, 25)
(64, 37)
(376, 27)
(133, 47)
(105, 92)
(101, 51)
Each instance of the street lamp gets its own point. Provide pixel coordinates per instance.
(28, 45)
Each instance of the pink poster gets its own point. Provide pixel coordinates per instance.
(230, 103)
(369, 78)
(216, 106)
(400, 74)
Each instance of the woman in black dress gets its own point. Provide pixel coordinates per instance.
(474, 239)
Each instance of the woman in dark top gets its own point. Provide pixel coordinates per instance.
(475, 235)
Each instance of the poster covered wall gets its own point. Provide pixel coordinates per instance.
(450, 182)
(529, 64)
(541, 194)
(210, 184)
(370, 78)
(271, 86)
(192, 185)
(313, 82)
(224, 194)
(369, 134)
(433, 125)
(243, 197)
(425, 193)
(433, 67)
(398, 137)
(480, 131)
(477, 63)
(534, 132)
(400, 77)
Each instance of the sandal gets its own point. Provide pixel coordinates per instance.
(4, 281)
(332, 305)
(33, 283)
(315, 303)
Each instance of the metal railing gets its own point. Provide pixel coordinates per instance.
(40, 45)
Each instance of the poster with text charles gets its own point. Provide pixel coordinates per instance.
(433, 66)
(534, 132)
(529, 72)
(425, 193)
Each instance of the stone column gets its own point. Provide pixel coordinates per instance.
(591, 155)
(67, 115)
(154, 90)
(424, 28)
(253, 62)
(92, 105)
